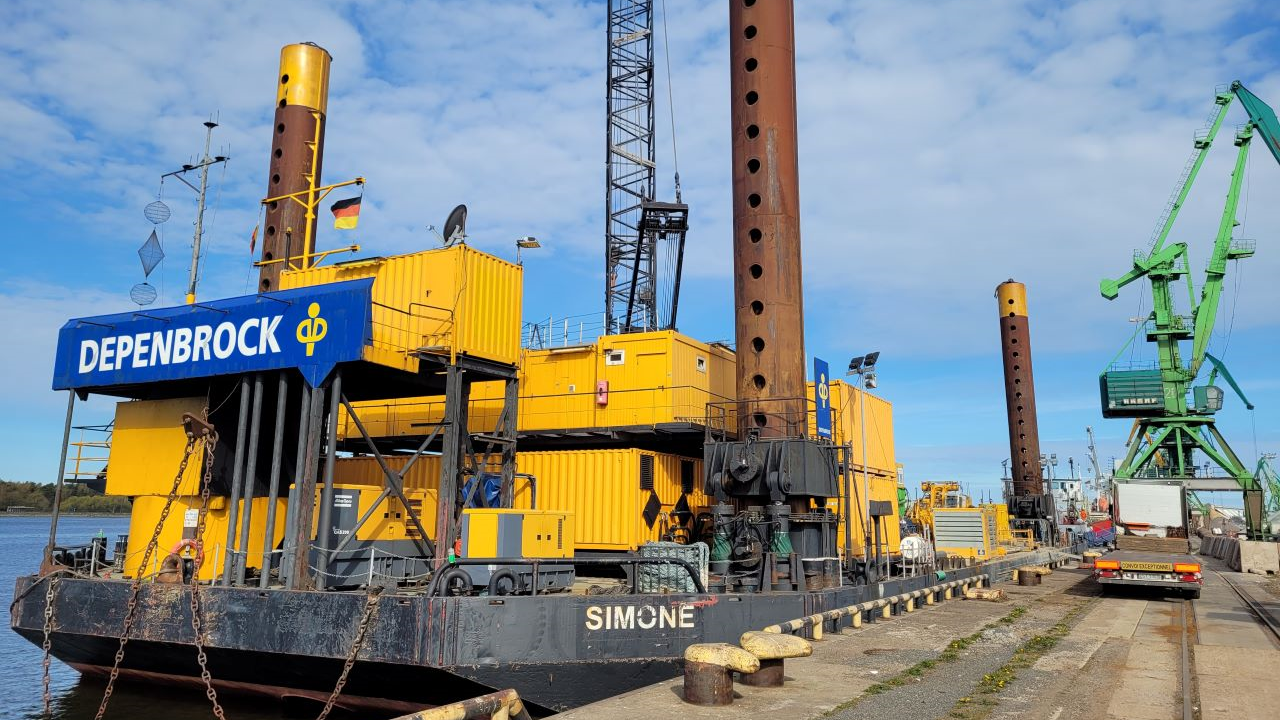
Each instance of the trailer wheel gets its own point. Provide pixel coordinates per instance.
(1191, 594)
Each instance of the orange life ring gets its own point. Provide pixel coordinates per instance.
(195, 548)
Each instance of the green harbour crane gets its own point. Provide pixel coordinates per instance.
(1175, 416)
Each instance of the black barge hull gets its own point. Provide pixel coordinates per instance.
(557, 651)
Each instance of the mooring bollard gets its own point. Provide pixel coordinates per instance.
(709, 668)
(771, 650)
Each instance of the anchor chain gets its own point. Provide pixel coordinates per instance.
(369, 617)
(210, 443)
(131, 609)
(48, 644)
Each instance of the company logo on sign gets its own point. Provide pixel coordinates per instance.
(221, 337)
(822, 398)
(313, 329)
(180, 345)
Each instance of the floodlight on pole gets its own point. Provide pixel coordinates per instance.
(528, 242)
(864, 366)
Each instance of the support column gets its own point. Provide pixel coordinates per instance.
(324, 534)
(62, 474)
(507, 431)
(273, 483)
(237, 483)
(291, 507)
(305, 503)
(769, 324)
(251, 478)
(453, 450)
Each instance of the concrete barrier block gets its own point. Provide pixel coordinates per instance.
(1262, 558)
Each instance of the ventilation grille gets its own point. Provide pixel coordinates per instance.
(559, 533)
(646, 472)
(686, 476)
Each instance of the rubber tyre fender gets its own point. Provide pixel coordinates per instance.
(495, 582)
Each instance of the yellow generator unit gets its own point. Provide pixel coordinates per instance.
(965, 532)
(493, 535)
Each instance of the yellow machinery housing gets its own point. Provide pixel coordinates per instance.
(146, 448)
(501, 533)
(637, 379)
(607, 491)
(968, 532)
(452, 301)
(935, 496)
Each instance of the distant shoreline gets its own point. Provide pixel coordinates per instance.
(5, 514)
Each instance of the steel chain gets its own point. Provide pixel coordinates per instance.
(209, 444)
(369, 617)
(48, 643)
(132, 607)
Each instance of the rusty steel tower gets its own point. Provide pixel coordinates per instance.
(297, 151)
(1027, 501)
(766, 218)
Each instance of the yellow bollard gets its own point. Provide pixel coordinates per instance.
(928, 598)
(857, 619)
(911, 605)
(886, 612)
(946, 595)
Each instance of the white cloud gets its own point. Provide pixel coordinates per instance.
(942, 150)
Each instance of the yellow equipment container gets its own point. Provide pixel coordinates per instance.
(846, 427)
(1004, 535)
(390, 520)
(965, 532)
(613, 494)
(181, 524)
(146, 449)
(606, 491)
(517, 533)
(630, 380)
(452, 301)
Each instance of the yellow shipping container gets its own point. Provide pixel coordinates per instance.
(451, 301)
(845, 428)
(605, 490)
(146, 514)
(636, 379)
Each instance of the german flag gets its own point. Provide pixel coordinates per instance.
(346, 213)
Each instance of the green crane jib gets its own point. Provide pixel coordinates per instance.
(1172, 425)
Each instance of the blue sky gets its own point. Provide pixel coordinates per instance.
(943, 150)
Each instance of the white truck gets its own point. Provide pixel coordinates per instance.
(1152, 549)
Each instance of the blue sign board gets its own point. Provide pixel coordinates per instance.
(822, 397)
(311, 329)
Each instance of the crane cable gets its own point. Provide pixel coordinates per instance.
(671, 105)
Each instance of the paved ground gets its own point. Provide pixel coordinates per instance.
(1057, 651)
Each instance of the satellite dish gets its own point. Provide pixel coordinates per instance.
(455, 228)
(143, 294)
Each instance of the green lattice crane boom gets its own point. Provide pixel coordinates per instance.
(1174, 427)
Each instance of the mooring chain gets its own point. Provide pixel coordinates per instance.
(370, 616)
(48, 643)
(132, 607)
(209, 444)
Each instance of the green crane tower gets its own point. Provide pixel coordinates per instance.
(1175, 416)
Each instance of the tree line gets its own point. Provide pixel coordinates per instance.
(38, 497)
